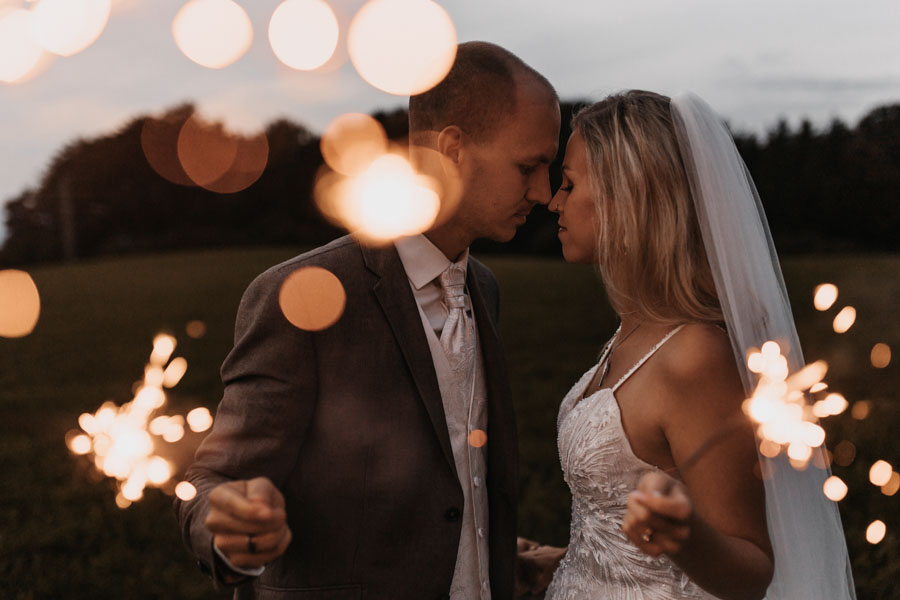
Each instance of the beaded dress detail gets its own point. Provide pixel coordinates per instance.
(601, 470)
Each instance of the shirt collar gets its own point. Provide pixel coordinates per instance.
(423, 261)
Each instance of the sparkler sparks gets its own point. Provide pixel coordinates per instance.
(124, 441)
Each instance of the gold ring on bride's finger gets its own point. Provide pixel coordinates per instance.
(647, 535)
(251, 545)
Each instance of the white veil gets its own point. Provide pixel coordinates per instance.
(811, 561)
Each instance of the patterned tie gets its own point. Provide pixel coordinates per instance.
(458, 335)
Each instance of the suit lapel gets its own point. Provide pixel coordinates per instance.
(393, 292)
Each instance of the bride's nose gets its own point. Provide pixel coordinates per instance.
(556, 204)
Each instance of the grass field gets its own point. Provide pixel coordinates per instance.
(62, 536)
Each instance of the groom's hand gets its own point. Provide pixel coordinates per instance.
(248, 522)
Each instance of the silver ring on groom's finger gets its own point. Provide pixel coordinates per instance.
(251, 545)
(647, 535)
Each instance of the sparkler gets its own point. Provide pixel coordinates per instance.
(787, 422)
(123, 440)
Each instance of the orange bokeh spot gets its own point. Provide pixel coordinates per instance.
(880, 355)
(402, 47)
(875, 532)
(250, 161)
(388, 200)
(205, 150)
(199, 419)
(218, 160)
(352, 142)
(19, 52)
(66, 27)
(844, 453)
(20, 303)
(824, 296)
(880, 472)
(477, 438)
(844, 319)
(212, 33)
(303, 33)
(195, 329)
(159, 141)
(312, 298)
(835, 489)
(185, 491)
(892, 486)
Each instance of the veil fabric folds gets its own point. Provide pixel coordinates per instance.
(811, 560)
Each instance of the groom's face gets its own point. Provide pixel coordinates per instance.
(506, 175)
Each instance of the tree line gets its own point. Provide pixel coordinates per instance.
(826, 190)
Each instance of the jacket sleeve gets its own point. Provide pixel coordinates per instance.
(265, 412)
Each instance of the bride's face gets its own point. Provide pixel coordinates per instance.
(574, 203)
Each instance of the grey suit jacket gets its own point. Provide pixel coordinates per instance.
(348, 423)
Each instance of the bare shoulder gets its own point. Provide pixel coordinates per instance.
(699, 357)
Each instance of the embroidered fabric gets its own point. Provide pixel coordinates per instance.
(601, 470)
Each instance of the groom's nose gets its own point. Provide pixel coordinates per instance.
(539, 188)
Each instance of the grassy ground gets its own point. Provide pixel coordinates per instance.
(61, 535)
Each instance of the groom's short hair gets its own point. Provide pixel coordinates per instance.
(477, 95)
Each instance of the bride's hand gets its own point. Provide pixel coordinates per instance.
(658, 515)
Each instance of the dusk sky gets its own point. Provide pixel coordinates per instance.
(753, 61)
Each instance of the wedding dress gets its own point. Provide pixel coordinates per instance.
(601, 470)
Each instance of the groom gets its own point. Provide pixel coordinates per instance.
(377, 459)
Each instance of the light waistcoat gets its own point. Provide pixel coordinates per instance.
(465, 409)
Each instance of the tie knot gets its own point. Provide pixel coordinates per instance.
(453, 287)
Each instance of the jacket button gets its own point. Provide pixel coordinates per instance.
(452, 514)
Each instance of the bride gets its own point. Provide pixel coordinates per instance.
(668, 497)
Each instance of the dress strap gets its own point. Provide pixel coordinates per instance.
(641, 362)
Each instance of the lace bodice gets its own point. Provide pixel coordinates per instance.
(601, 470)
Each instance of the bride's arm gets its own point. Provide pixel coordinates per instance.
(714, 525)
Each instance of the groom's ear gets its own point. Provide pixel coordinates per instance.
(449, 143)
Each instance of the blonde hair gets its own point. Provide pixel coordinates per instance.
(649, 250)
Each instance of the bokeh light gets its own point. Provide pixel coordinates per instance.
(159, 141)
(477, 438)
(205, 150)
(185, 491)
(312, 298)
(352, 142)
(19, 52)
(303, 33)
(876, 531)
(844, 453)
(844, 319)
(880, 472)
(218, 160)
(20, 303)
(199, 419)
(212, 33)
(163, 347)
(174, 372)
(892, 486)
(880, 355)
(80, 444)
(402, 47)
(250, 159)
(835, 489)
(825, 296)
(388, 200)
(195, 329)
(66, 27)
(861, 409)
